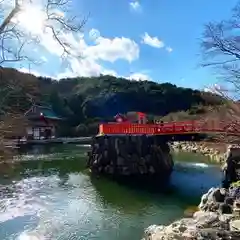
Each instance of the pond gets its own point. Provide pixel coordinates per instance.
(48, 194)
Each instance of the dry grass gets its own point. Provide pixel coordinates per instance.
(11, 127)
(229, 113)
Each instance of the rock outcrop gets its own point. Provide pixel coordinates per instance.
(218, 215)
(231, 167)
(145, 157)
(218, 218)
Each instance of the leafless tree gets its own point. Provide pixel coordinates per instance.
(221, 51)
(57, 22)
(15, 95)
(16, 45)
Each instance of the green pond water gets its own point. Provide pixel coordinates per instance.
(48, 194)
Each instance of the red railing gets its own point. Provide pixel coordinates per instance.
(169, 128)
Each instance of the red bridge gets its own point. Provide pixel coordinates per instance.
(169, 129)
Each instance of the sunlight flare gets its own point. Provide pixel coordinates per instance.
(32, 19)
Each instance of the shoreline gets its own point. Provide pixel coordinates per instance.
(217, 217)
(215, 152)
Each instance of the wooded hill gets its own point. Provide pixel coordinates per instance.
(84, 101)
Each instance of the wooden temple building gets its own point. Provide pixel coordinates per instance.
(42, 123)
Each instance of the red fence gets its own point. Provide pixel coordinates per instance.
(186, 127)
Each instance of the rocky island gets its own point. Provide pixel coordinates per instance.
(131, 157)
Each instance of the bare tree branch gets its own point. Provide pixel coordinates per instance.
(227, 115)
(11, 126)
(221, 51)
(221, 48)
(16, 42)
(57, 17)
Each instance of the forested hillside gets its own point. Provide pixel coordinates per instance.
(83, 102)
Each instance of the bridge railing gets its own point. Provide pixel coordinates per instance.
(183, 127)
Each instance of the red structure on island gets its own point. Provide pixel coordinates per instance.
(140, 127)
(131, 117)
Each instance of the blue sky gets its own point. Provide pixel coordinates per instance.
(153, 39)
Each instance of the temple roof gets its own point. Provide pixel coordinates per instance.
(36, 111)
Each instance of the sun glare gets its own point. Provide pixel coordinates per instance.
(32, 19)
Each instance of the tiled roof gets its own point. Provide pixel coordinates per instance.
(47, 112)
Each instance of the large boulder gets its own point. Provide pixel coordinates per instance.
(231, 167)
(131, 156)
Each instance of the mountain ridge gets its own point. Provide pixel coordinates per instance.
(88, 100)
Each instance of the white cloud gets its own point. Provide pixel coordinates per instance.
(85, 67)
(52, 46)
(34, 72)
(32, 18)
(135, 5)
(105, 49)
(152, 41)
(169, 49)
(44, 59)
(215, 88)
(25, 70)
(100, 49)
(139, 77)
(109, 72)
(113, 49)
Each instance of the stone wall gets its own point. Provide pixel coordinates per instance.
(130, 156)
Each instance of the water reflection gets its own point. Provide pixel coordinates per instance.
(197, 174)
(54, 197)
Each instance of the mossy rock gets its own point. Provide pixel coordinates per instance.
(235, 184)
